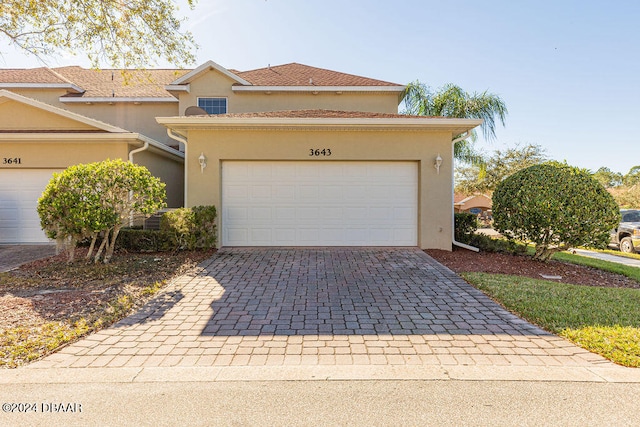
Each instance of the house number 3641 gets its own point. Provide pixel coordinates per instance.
(11, 160)
(319, 152)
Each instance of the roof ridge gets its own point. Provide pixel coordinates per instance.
(63, 78)
(292, 73)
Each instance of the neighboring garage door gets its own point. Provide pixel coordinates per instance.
(19, 193)
(312, 203)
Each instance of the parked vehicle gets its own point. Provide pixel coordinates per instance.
(626, 236)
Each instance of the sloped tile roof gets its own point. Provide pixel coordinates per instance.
(151, 83)
(316, 114)
(304, 75)
(122, 83)
(31, 75)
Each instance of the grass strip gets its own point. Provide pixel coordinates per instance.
(602, 320)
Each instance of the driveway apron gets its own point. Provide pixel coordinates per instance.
(321, 306)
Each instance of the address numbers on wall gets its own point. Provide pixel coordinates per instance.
(11, 161)
(319, 152)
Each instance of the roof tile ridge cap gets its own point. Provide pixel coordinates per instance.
(64, 78)
(268, 67)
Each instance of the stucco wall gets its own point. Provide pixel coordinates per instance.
(131, 117)
(18, 116)
(49, 96)
(59, 155)
(170, 171)
(435, 191)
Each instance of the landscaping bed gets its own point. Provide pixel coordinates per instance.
(464, 261)
(48, 303)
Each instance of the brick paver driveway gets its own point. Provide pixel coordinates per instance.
(336, 306)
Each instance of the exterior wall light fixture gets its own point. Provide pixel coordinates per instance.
(203, 162)
(438, 163)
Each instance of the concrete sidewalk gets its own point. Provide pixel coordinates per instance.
(592, 374)
(608, 257)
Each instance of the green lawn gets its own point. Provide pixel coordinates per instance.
(602, 320)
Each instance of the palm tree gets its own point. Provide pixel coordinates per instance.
(452, 101)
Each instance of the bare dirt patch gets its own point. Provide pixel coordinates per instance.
(462, 261)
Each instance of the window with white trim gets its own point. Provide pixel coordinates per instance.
(213, 105)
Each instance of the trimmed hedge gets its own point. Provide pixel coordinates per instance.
(138, 240)
(180, 229)
(191, 228)
(488, 244)
(465, 225)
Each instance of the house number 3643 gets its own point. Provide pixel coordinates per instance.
(11, 160)
(319, 152)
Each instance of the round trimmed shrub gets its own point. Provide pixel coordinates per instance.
(555, 206)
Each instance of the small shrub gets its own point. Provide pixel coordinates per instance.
(190, 228)
(465, 225)
(205, 226)
(179, 226)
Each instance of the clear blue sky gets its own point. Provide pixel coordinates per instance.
(569, 71)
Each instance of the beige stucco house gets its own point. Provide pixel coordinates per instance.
(291, 155)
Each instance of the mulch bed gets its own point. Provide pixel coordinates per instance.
(462, 260)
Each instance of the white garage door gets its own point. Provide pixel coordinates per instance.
(319, 203)
(19, 193)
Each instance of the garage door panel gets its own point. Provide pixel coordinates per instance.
(381, 214)
(284, 235)
(260, 215)
(236, 234)
(354, 214)
(307, 214)
(239, 192)
(319, 203)
(237, 214)
(284, 193)
(308, 192)
(261, 235)
(403, 214)
(287, 213)
(261, 192)
(332, 213)
(308, 236)
(20, 190)
(331, 194)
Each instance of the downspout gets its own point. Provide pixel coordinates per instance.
(138, 150)
(466, 135)
(131, 153)
(182, 139)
